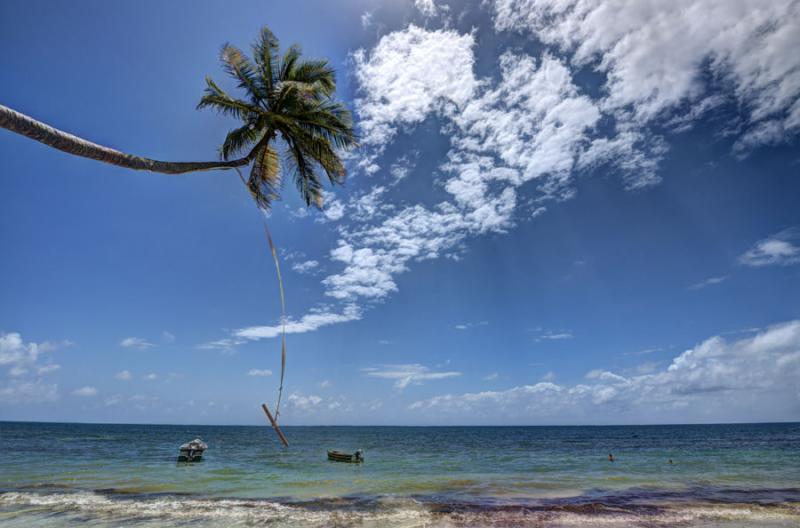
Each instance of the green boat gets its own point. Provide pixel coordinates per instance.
(338, 456)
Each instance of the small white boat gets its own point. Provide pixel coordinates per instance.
(192, 451)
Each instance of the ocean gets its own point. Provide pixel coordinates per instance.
(57, 475)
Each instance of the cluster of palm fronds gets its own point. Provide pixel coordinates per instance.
(287, 99)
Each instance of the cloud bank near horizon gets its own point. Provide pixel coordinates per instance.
(717, 380)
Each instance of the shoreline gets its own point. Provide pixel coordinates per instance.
(115, 508)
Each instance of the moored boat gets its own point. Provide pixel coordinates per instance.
(338, 456)
(192, 451)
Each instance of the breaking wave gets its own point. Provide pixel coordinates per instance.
(110, 508)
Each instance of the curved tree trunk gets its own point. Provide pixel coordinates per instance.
(27, 126)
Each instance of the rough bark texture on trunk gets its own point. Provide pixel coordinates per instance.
(27, 126)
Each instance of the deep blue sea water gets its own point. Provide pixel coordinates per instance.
(127, 475)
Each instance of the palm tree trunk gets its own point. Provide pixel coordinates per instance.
(27, 126)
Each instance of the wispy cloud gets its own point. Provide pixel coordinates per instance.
(306, 267)
(25, 370)
(136, 342)
(23, 392)
(406, 374)
(429, 8)
(85, 392)
(403, 166)
(711, 281)
(368, 206)
(308, 323)
(366, 19)
(304, 402)
(549, 376)
(123, 375)
(647, 351)
(261, 373)
(554, 336)
(17, 371)
(780, 249)
(467, 326)
(48, 369)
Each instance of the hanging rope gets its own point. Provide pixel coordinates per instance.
(273, 251)
(283, 317)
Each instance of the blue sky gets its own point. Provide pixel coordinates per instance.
(558, 215)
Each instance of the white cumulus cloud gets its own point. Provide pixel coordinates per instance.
(22, 359)
(407, 76)
(658, 56)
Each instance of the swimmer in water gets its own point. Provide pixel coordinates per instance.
(610, 457)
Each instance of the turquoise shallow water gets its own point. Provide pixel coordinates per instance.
(114, 475)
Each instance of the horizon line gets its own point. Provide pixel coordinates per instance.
(786, 422)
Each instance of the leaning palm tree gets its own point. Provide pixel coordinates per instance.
(288, 112)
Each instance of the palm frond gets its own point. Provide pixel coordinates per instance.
(316, 72)
(239, 139)
(330, 120)
(216, 98)
(265, 180)
(288, 62)
(305, 177)
(319, 149)
(238, 66)
(265, 53)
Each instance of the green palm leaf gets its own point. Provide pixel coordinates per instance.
(216, 98)
(265, 180)
(239, 139)
(265, 52)
(288, 62)
(238, 66)
(318, 73)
